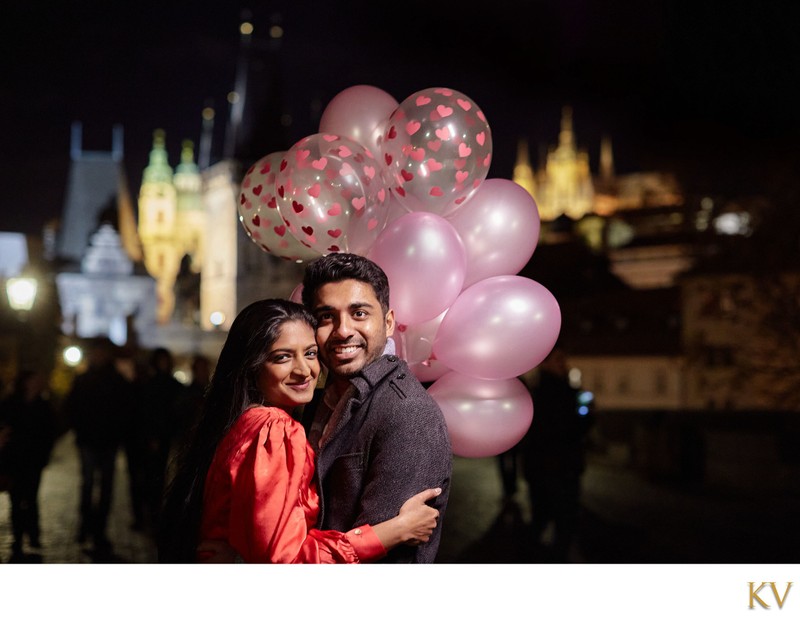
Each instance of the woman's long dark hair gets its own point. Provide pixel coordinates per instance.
(233, 388)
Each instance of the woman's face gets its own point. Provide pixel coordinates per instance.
(290, 372)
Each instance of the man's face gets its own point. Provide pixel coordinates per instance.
(352, 329)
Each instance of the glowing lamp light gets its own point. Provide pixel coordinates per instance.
(72, 355)
(21, 293)
(216, 318)
(182, 376)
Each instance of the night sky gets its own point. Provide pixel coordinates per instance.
(704, 89)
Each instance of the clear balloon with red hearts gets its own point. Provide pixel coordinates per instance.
(259, 214)
(330, 194)
(436, 150)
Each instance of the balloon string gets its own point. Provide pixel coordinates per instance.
(403, 345)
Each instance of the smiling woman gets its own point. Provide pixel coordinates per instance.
(246, 484)
(289, 375)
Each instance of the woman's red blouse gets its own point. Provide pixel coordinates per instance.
(261, 497)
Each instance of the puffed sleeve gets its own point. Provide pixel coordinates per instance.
(274, 505)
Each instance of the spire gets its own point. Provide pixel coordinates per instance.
(76, 141)
(117, 143)
(187, 164)
(206, 137)
(238, 96)
(566, 137)
(158, 169)
(606, 159)
(523, 172)
(187, 175)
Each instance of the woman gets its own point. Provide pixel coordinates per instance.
(248, 476)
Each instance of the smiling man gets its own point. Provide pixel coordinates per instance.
(379, 437)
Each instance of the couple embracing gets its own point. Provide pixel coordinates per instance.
(281, 471)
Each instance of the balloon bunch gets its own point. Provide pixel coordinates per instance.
(405, 185)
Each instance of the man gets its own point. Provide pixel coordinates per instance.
(554, 454)
(379, 437)
(98, 408)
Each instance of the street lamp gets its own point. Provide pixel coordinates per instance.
(216, 319)
(21, 292)
(72, 355)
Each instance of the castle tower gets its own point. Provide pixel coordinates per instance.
(606, 191)
(157, 222)
(606, 159)
(568, 187)
(190, 221)
(96, 179)
(523, 172)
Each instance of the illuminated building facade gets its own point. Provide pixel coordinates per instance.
(102, 288)
(648, 326)
(158, 226)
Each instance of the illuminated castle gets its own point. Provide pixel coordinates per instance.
(564, 185)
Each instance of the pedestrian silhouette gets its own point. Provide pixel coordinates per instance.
(29, 421)
(98, 408)
(553, 453)
(507, 463)
(135, 444)
(192, 401)
(159, 418)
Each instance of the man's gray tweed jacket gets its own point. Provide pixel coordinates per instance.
(390, 443)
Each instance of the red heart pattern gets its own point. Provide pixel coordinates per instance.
(434, 152)
(258, 210)
(334, 190)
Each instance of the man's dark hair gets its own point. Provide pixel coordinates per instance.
(338, 267)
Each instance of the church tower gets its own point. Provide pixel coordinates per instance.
(567, 187)
(190, 221)
(606, 189)
(158, 216)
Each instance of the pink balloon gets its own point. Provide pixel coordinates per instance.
(297, 294)
(415, 345)
(424, 259)
(484, 418)
(259, 214)
(331, 195)
(499, 226)
(360, 113)
(395, 211)
(437, 149)
(499, 328)
(427, 371)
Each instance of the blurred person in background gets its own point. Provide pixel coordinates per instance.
(29, 422)
(159, 417)
(98, 407)
(554, 454)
